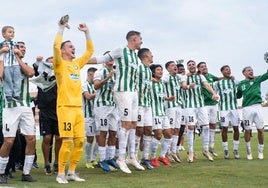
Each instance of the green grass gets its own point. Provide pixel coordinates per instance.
(201, 173)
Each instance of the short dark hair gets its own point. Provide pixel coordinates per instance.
(91, 69)
(132, 33)
(199, 64)
(190, 61)
(223, 67)
(142, 52)
(247, 67)
(51, 57)
(180, 65)
(168, 63)
(21, 42)
(153, 67)
(63, 43)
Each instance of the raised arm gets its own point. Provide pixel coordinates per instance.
(27, 70)
(114, 54)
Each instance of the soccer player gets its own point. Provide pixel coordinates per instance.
(106, 115)
(210, 104)
(160, 120)
(172, 83)
(144, 125)
(126, 97)
(19, 115)
(88, 92)
(226, 89)
(195, 108)
(250, 90)
(69, 101)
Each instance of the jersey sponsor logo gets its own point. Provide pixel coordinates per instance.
(160, 94)
(226, 91)
(74, 76)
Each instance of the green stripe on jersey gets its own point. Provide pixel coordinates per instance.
(144, 85)
(172, 84)
(127, 71)
(88, 104)
(105, 95)
(226, 90)
(158, 94)
(24, 95)
(194, 96)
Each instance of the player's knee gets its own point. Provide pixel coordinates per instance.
(79, 142)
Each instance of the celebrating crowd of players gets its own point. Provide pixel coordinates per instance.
(127, 106)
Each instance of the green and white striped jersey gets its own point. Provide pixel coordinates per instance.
(104, 95)
(194, 96)
(173, 84)
(144, 85)
(183, 97)
(207, 95)
(88, 104)
(158, 95)
(251, 90)
(226, 89)
(126, 71)
(24, 95)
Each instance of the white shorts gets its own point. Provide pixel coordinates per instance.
(106, 118)
(90, 126)
(145, 116)
(212, 113)
(18, 117)
(127, 103)
(197, 115)
(174, 116)
(161, 123)
(253, 114)
(229, 117)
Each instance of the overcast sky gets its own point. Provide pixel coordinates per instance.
(216, 31)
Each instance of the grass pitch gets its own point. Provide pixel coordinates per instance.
(202, 173)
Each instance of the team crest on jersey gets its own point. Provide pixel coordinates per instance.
(74, 76)
(133, 64)
(75, 67)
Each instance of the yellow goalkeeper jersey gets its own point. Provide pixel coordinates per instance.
(68, 74)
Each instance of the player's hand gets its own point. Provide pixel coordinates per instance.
(192, 85)
(64, 22)
(17, 51)
(215, 96)
(111, 74)
(83, 27)
(4, 48)
(39, 58)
